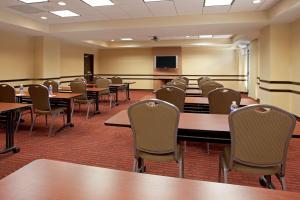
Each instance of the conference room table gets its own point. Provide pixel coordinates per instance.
(193, 92)
(213, 128)
(57, 180)
(7, 110)
(201, 104)
(60, 99)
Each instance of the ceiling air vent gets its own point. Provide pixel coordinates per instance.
(26, 9)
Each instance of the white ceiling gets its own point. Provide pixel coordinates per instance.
(170, 19)
(128, 9)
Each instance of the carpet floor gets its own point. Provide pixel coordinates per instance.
(90, 142)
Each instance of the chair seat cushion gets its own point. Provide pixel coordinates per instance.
(249, 169)
(160, 157)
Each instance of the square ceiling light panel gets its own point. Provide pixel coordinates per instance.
(95, 3)
(208, 3)
(64, 13)
(33, 1)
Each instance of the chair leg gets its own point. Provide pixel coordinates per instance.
(282, 181)
(53, 116)
(31, 115)
(181, 167)
(18, 123)
(72, 111)
(33, 122)
(110, 100)
(135, 165)
(220, 167)
(64, 119)
(88, 111)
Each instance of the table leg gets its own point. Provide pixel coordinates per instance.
(127, 91)
(117, 91)
(9, 146)
(69, 110)
(97, 103)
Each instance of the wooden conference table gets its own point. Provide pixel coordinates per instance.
(61, 99)
(56, 180)
(7, 110)
(212, 128)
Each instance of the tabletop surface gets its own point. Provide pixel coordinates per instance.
(4, 107)
(55, 180)
(59, 95)
(193, 91)
(190, 121)
(204, 100)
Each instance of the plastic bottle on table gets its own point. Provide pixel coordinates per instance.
(50, 90)
(233, 106)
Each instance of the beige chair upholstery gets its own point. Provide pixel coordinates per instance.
(221, 99)
(173, 95)
(39, 95)
(54, 85)
(116, 80)
(177, 84)
(80, 87)
(210, 86)
(186, 79)
(203, 80)
(8, 94)
(180, 80)
(79, 79)
(104, 83)
(259, 142)
(154, 125)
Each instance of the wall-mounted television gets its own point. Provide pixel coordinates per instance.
(165, 61)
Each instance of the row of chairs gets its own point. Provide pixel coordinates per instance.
(259, 138)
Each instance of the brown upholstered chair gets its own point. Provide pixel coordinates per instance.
(210, 86)
(39, 95)
(80, 87)
(221, 99)
(79, 79)
(8, 94)
(180, 80)
(177, 84)
(54, 85)
(186, 79)
(116, 80)
(104, 83)
(173, 95)
(202, 80)
(154, 125)
(259, 142)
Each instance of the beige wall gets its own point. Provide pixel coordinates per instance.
(195, 60)
(16, 56)
(279, 60)
(253, 70)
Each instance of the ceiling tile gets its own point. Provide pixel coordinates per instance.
(162, 8)
(189, 7)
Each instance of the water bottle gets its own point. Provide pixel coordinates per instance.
(50, 90)
(21, 89)
(233, 106)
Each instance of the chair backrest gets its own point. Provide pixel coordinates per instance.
(54, 85)
(221, 99)
(173, 95)
(178, 80)
(79, 79)
(177, 84)
(39, 95)
(7, 93)
(116, 80)
(154, 125)
(260, 135)
(79, 87)
(102, 83)
(202, 81)
(185, 78)
(210, 86)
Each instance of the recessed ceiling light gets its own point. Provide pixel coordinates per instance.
(95, 3)
(205, 36)
(43, 17)
(218, 2)
(64, 13)
(256, 1)
(33, 1)
(61, 3)
(112, 40)
(187, 36)
(126, 39)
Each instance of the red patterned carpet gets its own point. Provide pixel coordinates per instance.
(90, 142)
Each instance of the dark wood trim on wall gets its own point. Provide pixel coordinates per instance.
(279, 82)
(279, 90)
(175, 75)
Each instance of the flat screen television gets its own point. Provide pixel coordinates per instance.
(165, 61)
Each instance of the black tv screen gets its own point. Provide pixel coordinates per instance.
(165, 61)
